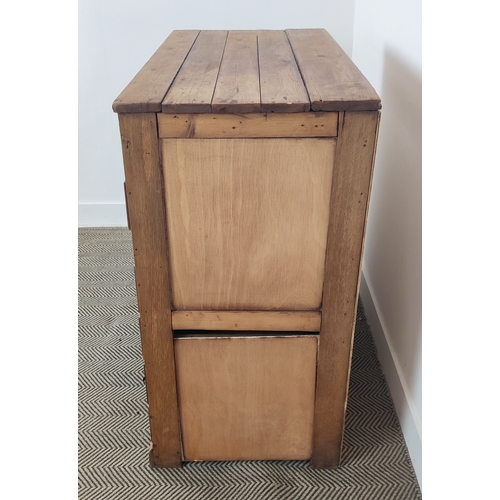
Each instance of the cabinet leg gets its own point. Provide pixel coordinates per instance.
(352, 175)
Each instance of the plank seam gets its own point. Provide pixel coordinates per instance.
(258, 70)
(177, 72)
(300, 70)
(218, 72)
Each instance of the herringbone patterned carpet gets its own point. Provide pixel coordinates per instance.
(113, 419)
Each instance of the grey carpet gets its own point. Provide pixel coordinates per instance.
(113, 418)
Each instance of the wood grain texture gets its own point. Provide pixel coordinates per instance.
(238, 88)
(283, 321)
(147, 220)
(246, 398)
(194, 85)
(332, 80)
(281, 87)
(247, 222)
(148, 88)
(250, 125)
(350, 194)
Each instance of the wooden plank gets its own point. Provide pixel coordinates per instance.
(283, 321)
(246, 398)
(247, 222)
(193, 87)
(281, 86)
(147, 220)
(238, 89)
(350, 194)
(332, 80)
(250, 125)
(148, 88)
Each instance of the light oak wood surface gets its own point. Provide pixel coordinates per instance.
(247, 222)
(246, 398)
(285, 321)
(249, 125)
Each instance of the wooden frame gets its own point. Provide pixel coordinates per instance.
(141, 158)
(349, 203)
(223, 126)
(276, 321)
(350, 194)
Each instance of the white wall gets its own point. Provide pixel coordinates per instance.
(387, 49)
(116, 38)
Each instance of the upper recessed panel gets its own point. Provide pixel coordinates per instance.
(247, 222)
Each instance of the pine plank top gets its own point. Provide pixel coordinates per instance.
(213, 71)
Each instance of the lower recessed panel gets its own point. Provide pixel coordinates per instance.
(246, 398)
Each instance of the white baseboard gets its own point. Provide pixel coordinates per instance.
(102, 215)
(409, 419)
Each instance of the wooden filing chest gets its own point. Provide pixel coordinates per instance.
(248, 162)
